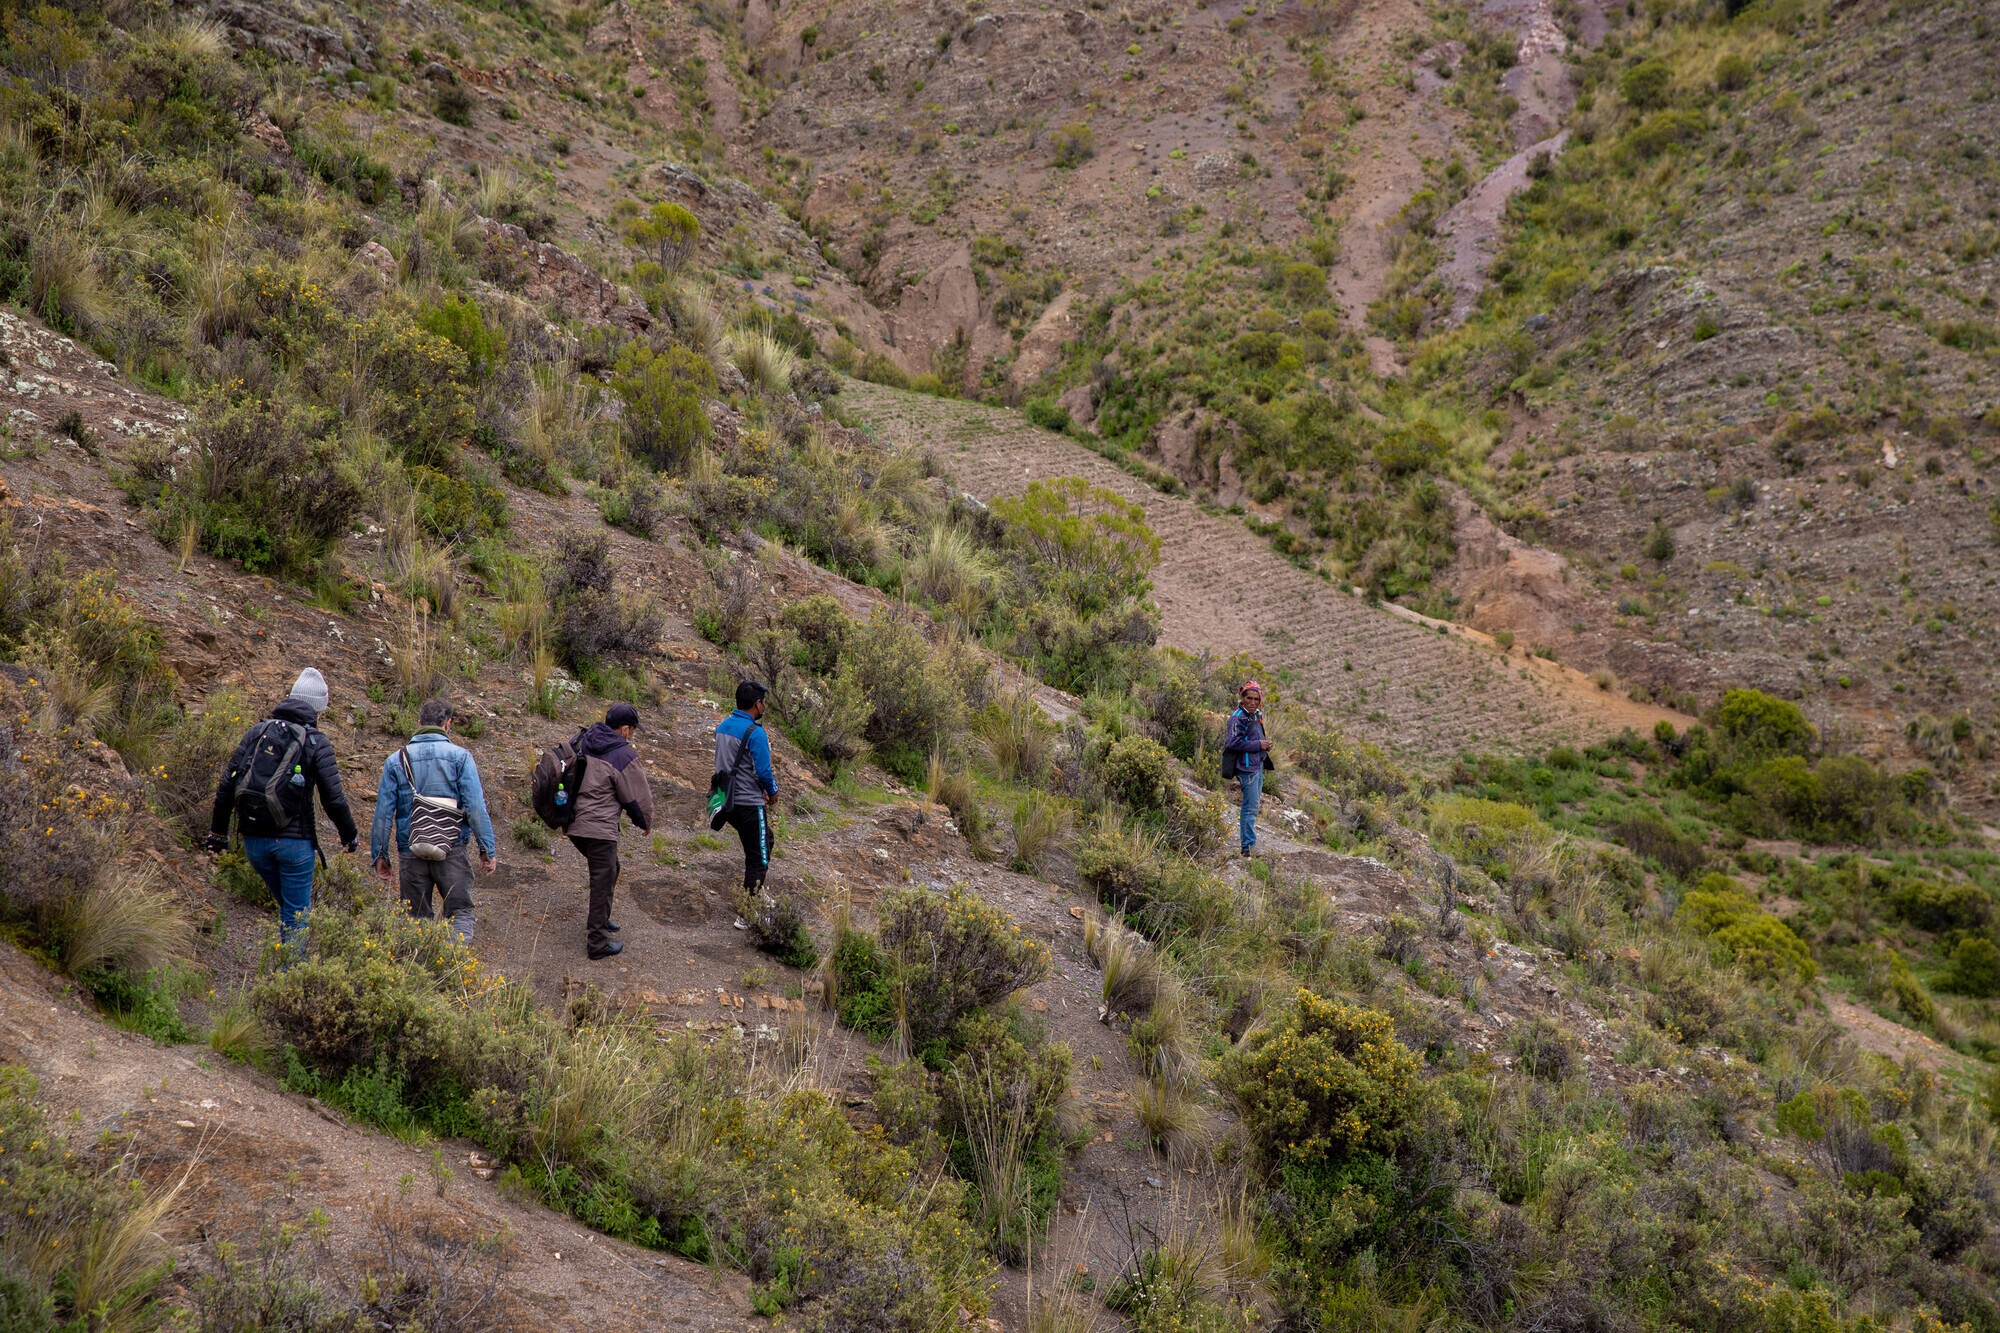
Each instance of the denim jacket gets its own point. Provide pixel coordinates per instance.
(441, 769)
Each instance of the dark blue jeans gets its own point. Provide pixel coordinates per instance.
(286, 865)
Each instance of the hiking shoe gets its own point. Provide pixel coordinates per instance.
(611, 926)
(613, 948)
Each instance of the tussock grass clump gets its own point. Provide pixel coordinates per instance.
(1017, 737)
(765, 361)
(1131, 967)
(236, 1033)
(1041, 823)
(947, 566)
(125, 922)
(1174, 1118)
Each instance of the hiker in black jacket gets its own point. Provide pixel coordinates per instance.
(281, 846)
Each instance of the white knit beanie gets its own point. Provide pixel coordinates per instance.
(311, 689)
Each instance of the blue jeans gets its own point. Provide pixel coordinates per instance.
(1253, 792)
(286, 865)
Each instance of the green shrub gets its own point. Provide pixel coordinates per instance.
(458, 509)
(459, 321)
(1140, 772)
(188, 756)
(667, 229)
(1483, 831)
(1196, 826)
(399, 1000)
(1760, 944)
(1645, 84)
(915, 709)
(1047, 413)
(666, 403)
(1072, 146)
(453, 105)
(864, 985)
(1104, 651)
(1357, 767)
(1115, 866)
(1178, 705)
(1085, 544)
(1647, 835)
(905, 1102)
(1546, 1051)
(1975, 968)
(954, 955)
(267, 482)
(1327, 1082)
(877, 368)
(1759, 724)
(819, 631)
(778, 927)
(1932, 906)
(638, 505)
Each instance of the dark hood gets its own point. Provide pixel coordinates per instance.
(296, 710)
(602, 742)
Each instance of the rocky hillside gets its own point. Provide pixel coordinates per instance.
(1003, 389)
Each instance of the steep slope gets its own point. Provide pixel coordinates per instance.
(253, 1157)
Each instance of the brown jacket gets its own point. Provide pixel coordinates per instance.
(614, 783)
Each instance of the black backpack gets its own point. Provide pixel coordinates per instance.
(557, 781)
(270, 773)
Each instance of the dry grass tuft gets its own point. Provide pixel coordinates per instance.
(117, 1266)
(1018, 739)
(1132, 976)
(126, 921)
(1041, 823)
(238, 1034)
(1174, 1118)
(948, 567)
(598, 1085)
(65, 278)
(765, 361)
(999, 1123)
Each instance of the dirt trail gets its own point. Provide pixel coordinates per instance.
(1416, 687)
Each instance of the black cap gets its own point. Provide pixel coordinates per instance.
(622, 715)
(748, 693)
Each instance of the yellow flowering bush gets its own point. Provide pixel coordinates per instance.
(1329, 1081)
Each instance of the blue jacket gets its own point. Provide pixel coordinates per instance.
(1241, 742)
(753, 788)
(441, 769)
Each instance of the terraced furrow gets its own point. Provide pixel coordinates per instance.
(1393, 678)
